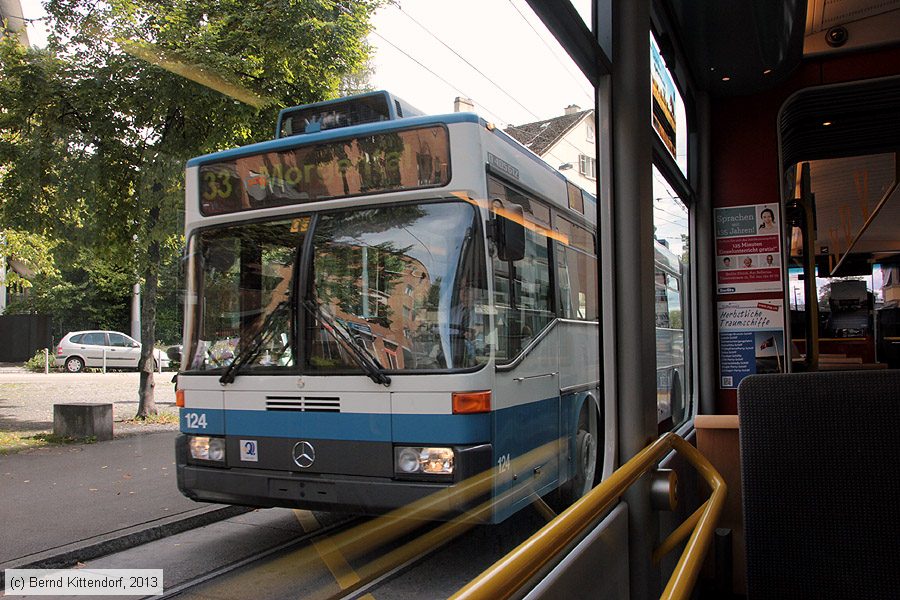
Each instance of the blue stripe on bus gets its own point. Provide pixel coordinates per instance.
(330, 426)
(332, 134)
(442, 429)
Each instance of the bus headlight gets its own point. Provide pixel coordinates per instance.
(207, 448)
(414, 460)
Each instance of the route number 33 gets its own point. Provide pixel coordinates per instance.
(218, 185)
(195, 420)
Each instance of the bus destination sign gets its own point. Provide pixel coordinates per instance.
(384, 162)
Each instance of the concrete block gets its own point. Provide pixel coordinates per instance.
(81, 420)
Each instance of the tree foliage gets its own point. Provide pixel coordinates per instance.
(96, 128)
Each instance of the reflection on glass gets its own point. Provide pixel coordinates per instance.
(843, 315)
(576, 272)
(667, 108)
(406, 282)
(671, 250)
(362, 165)
(523, 296)
(244, 275)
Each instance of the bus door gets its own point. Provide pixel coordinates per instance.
(526, 391)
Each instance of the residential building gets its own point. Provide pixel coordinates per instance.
(565, 142)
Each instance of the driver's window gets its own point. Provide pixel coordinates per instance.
(523, 288)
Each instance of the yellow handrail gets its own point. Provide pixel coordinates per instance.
(507, 575)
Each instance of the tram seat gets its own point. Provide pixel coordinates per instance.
(821, 491)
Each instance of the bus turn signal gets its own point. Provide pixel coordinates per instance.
(471, 402)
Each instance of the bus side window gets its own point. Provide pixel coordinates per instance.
(576, 272)
(566, 307)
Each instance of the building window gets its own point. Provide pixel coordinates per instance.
(590, 132)
(587, 166)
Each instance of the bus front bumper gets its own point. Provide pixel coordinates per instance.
(354, 494)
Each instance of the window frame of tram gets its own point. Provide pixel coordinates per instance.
(672, 273)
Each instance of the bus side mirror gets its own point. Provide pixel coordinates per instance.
(509, 227)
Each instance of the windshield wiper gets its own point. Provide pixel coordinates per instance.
(249, 352)
(361, 356)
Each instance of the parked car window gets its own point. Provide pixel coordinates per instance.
(94, 339)
(118, 340)
(76, 339)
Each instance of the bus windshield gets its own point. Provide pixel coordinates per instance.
(405, 284)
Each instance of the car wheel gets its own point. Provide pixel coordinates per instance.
(74, 365)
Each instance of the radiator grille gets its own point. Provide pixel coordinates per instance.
(304, 403)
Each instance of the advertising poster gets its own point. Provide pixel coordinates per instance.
(751, 339)
(748, 249)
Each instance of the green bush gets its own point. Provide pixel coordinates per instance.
(36, 362)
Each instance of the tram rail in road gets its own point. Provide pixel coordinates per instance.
(352, 558)
(313, 535)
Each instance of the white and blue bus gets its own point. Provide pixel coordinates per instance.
(381, 304)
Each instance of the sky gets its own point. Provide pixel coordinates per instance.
(495, 52)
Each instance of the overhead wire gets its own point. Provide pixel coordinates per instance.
(453, 86)
(682, 217)
(555, 56)
(489, 79)
(448, 83)
(462, 58)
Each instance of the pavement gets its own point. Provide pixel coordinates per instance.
(64, 504)
(68, 504)
(27, 399)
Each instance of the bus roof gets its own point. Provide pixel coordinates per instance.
(333, 134)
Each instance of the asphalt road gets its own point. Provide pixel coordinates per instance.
(27, 399)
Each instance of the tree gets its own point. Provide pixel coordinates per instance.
(102, 123)
(34, 252)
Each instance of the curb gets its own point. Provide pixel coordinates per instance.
(108, 543)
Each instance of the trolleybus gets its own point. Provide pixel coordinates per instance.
(381, 304)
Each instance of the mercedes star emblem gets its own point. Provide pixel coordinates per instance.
(304, 454)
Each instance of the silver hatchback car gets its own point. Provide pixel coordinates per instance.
(80, 349)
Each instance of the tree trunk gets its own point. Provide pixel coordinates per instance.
(147, 364)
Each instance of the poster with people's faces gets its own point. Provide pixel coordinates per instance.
(748, 249)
